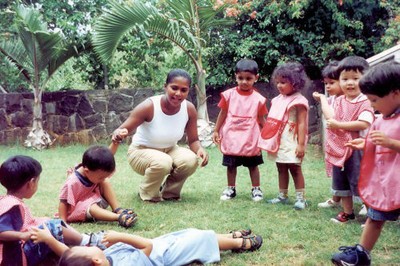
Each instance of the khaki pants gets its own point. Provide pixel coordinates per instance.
(168, 168)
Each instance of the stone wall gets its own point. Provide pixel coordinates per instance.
(68, 116)
(89, 116)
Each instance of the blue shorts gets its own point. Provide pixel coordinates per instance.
(382, 215)
(35, 253)
(345, 180)
(247, 161)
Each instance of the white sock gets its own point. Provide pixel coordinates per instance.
(85, 239)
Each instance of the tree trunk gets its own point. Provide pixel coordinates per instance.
(38, 138)
(201, 96)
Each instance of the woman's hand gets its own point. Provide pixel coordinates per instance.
(201, 153)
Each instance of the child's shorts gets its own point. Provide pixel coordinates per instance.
(345, 180)
(247, 161)
(382, 215)
(102, 204)
(35, 253)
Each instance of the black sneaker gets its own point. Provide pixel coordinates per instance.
(228, 193)
(348, 256)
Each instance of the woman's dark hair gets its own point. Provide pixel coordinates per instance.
(98, 158)
(178, 73)
(17, 170)
(247, 65)
(68, 258)
(330, 70)
(355, 63)
(292, 71)
(381, 79)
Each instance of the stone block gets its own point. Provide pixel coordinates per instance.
(94, 120)
(100, 106)
(99, 132)
(112, 122)
(120, 103)
(84, 107)
(21, 119)
(67, 106)
(13, 102)
(49, 108)
(4, 121)
(27, 106)
(75, 123)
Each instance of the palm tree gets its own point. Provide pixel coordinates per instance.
(183, 22)
(37, 53)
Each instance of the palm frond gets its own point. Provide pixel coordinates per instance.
(14, 52)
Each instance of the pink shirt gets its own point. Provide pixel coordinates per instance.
(78, 197)
(240, 131)
(379, 182)
(7, 202)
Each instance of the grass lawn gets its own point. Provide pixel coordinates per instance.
(290, 237)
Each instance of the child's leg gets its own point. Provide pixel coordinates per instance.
(283, 172)
(101, 214)
(231, 174)
(71, 236)
(107, 192)
(371, 233)
(347, 204)
(297, 175)
(254, 176)
(226, 242)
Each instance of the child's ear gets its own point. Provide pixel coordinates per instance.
(97, 261)
(257, 77)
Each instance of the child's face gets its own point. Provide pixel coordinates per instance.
(284, 86)
(349, 83)
(332, 87)
(177, 90)
(386, 105)
(245, 80)
(97, 176)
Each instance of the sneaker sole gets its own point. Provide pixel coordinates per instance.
(257, 199)
(338, 222)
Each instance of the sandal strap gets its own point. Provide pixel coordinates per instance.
(243, 232)
(127, 220)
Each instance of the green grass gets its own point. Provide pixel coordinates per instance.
(290, 237)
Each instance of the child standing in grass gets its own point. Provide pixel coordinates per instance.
(379, 176)
(87, 192)
(20, 176)
(284, 135)
(353, 116)
(332, 87)
(238, 126)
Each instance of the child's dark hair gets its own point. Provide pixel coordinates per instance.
(354, 63)
(178, 73)
(68, 258)
(98, 158)
(381, 79)
(17, 170)
(247, 65)
(330, 70)
(292, 71)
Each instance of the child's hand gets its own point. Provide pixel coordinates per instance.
(316, 96)
(111, 237)
(41, 235)
(357, 144)
(119, 134)
(300, 151)
(332, 123)
(379, 138)
(216, 138)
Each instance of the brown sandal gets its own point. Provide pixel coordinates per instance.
(255, 243)
(244, 232)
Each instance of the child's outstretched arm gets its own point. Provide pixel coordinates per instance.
(44, 235)
(119, 134)
(14, 236)
(327, 110)
(144, 244)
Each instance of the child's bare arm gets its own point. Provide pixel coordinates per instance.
(121, 133)
(302, 129)
(112, 237)
(14, 236)
(63, 210)
(327, 110)
(44, 235)
(349, 126)
(220, 120)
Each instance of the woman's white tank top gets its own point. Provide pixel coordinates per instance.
(163, 131)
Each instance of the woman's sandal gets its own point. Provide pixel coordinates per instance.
(127, 220)
(255, 243)
(244, 232)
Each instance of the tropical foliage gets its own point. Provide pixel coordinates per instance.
(185, 23)
(37, 53)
